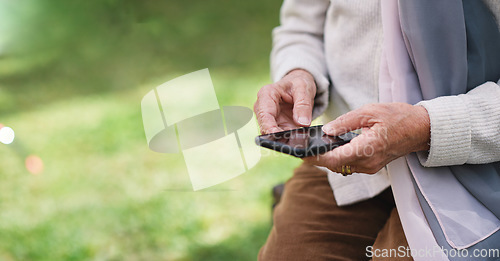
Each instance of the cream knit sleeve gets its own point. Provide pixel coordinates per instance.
(298, 44)
(464, 128)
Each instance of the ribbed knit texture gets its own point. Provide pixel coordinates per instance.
(464, 128)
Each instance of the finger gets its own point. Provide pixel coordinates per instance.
(362, 154)
(266, 109)
(326, 161)
(348, 154)
(285, 117)
(287, 126)
(268, 124)
(330, 159)
(345, 154)
(352, 120)
(303, 99)
(347, 169)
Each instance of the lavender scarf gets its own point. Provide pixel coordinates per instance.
(439, 48)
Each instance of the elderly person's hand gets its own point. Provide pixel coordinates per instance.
(286, 104)
(389, 131)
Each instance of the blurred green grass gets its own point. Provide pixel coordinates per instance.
(72, 75)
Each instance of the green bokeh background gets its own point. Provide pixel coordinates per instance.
(72, 75)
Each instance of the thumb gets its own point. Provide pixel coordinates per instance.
(350, 121)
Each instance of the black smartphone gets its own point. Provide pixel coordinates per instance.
(303, 142)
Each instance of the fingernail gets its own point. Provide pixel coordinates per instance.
(304, 120)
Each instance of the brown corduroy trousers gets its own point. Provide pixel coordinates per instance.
(308, 224)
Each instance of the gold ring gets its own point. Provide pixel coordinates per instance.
(346, 170)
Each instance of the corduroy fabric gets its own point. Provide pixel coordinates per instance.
(308, 224)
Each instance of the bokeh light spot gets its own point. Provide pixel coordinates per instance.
(7, 135)
(34, 164)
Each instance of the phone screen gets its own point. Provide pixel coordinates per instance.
(303, 142)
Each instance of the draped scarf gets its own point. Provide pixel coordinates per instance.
(432, 49)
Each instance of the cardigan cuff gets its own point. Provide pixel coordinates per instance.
(450, 132)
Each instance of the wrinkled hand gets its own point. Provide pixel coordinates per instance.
(389, 131)
(286, 104)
